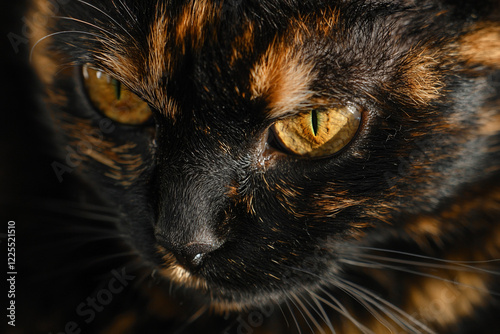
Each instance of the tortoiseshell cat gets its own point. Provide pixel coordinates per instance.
(256, 166)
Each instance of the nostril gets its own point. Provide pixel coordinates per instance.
(193, 253)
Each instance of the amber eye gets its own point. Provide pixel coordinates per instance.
(318, 133)
(114, 100)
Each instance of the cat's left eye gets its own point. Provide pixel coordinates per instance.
(114, 100)
(318, 133)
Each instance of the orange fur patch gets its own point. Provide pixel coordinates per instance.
(44, 64)
(422, 80)
(283, 79)
(243, 44)
(158, 57)
(116, 58)
(88, 143)
(439, 302)
(283, 76)
(327, 21)
(482, 47)
(434, 301)
(490, 122)
(194, 21)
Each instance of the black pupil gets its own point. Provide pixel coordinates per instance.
(314, 121)
(118, 88)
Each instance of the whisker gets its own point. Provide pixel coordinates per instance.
(127, 9)
(78, 266)
(294, 317)
(418, 273)
(65, 66)
(373, 265)
(78, 241)
(343, 311)
(192, 319)
(308, 313)
(79, 210)
(284, 316)
(294, 296)
(383, 250)
(361, 299)
(378, 301)
(115, 256)
(60, 33)
(320, 311)
(108, 16)
(83, 22)
(454, 266)
(340, 308)
(76, 205)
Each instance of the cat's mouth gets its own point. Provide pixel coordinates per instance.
(219, 302)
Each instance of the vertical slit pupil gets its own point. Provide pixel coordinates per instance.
(118, 88)
(314, 121)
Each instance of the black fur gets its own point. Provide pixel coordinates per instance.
(410, 159)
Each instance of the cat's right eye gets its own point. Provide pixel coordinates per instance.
(114, 100)
(319, 132)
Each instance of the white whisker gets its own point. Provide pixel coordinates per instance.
(343, 311)
(60, 33)
(127, 9)
(294, 317)
(377, 301)
(340, 308)
(107, 15)
(419, 273)
(294, 296)
(452, 266)
(320, 311)
(309, 315)
(383, 250)
(361, 299)
(284, 316)
(84, 22)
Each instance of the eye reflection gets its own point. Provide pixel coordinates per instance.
(114, 100)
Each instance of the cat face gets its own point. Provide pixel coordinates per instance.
(252, 149)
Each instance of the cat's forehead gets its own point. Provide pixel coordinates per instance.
(253, 60)
(200, 49)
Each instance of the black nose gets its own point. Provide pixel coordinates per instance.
(192, 254)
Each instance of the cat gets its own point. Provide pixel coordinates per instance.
(255, 166)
